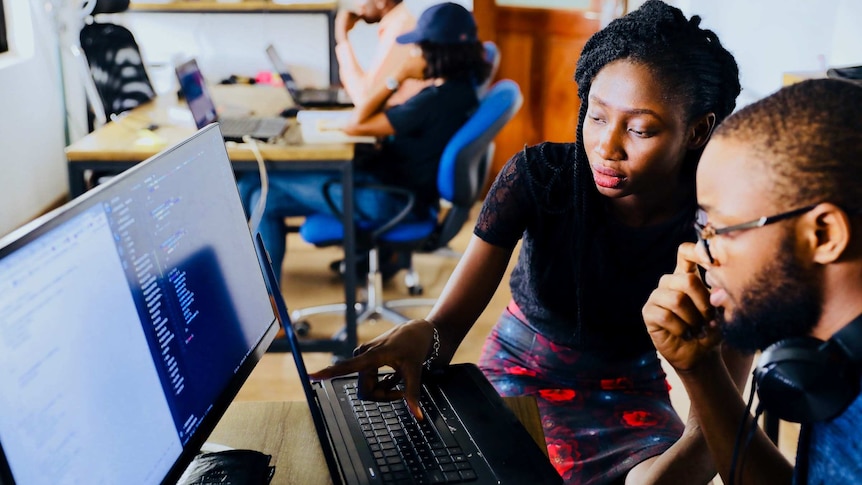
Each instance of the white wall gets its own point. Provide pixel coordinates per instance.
(32, 162)
(226, 44)
(771, 37)
(847, 34)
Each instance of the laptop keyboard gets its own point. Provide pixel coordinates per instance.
(256, 127)
(407, 450)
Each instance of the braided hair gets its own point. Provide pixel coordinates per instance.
(690, 62)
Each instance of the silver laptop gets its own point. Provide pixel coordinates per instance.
(331, 97)
(194, 90)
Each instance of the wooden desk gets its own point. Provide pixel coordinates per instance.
(120, 145)
(285, 431)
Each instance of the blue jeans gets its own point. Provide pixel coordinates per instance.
(301, 194)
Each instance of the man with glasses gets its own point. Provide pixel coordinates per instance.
(778, 264)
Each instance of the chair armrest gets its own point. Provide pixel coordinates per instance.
(409, 197)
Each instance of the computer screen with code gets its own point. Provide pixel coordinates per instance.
(129, 318)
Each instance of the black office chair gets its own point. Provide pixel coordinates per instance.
(116, 79)
(464, 168)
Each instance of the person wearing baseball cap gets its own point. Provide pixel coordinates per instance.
(444, 23)
(449, 58)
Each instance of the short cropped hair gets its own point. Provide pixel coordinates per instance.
(809, 136)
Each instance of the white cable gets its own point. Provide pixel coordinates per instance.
(87, 8)
(257, 214)
(90, 88)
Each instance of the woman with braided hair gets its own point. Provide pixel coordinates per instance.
(600, 221)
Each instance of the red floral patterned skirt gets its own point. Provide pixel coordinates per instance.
(600, 417)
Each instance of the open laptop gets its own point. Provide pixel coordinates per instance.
(331, 97)
(200, 102)
(469, 435)
(131, 316)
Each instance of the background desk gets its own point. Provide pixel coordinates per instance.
(285, 431)
(120, 145)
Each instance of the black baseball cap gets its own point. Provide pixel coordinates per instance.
(443, 23)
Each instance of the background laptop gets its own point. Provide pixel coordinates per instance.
(474, 437)
(196, 94)
(130, 318)
(331, 97)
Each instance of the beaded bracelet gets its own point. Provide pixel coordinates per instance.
(435, 350)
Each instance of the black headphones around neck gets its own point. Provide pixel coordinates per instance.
(806, 380)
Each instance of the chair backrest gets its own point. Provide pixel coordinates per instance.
(492, 55)
(464, 163)
(116, 67)
(90, 8)
(95, 7)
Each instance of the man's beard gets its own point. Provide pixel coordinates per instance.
(781, 302)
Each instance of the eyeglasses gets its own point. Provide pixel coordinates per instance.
(705, 231)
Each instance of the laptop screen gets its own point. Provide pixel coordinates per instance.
(194, 89)
(281, 68)
(130, 318)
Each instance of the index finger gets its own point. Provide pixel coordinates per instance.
(687, 259)
(360, 363)
(412, 376)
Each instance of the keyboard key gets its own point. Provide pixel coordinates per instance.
(435, 476)
(468, 475)
(452, 476)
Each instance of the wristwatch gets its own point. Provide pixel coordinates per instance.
(392, 83)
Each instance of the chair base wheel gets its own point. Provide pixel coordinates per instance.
(301, 328)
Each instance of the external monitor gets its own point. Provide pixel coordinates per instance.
(129, 319)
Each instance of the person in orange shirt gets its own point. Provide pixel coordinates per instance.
(393, 19)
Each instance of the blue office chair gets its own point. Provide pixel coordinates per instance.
(463, 171)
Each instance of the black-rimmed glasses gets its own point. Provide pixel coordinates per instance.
(705, 231)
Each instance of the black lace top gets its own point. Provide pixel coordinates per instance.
(533, 197)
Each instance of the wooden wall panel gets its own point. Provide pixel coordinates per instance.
(518, 67)
(538, 49)
(560, 92)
